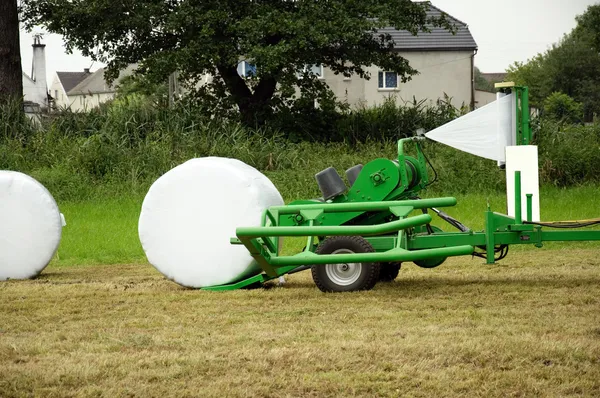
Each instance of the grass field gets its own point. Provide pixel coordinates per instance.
(527, 327)
(100, 321)
(104, 231)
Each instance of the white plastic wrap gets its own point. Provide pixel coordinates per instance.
(485, 132)
(30, 226)
(192, 211)
(524, 159)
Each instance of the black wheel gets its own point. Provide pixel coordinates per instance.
(389, 271)
(347, 277)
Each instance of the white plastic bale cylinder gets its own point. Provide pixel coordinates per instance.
(191, 212)
(30, 226)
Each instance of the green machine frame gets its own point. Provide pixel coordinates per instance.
(380, 207)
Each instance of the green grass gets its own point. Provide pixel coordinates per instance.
(101, 231)
(104, 230)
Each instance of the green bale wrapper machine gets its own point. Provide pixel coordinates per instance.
(359, 235)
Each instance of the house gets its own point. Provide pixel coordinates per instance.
(35, 90)
(82, 91)
(445, 62)
(62, 83)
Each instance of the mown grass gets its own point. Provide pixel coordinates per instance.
(527, 327)
(104, 230)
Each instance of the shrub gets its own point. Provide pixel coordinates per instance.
(563, 109)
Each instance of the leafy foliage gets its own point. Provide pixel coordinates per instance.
(481, 83)
(125, 145)
(562, 108)
(200, 38)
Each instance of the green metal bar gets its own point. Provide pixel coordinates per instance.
(367, 206)
(447, 239)
(518, 215)
(388, 256)
(246, 233)
(529, 207)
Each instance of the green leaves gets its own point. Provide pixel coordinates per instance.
(210, 37)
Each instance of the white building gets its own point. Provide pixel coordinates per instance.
(62, 83)
(82, 91)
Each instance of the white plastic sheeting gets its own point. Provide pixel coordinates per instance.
(30, 226)
(524, 159)
(485, 132)
(192, 211)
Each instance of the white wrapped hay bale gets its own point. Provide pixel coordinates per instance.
(191, 212)
(30, 226)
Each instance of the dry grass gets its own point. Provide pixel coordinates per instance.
(527, 327)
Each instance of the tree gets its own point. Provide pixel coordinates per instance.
(562, 108)
(11, 81)
(588, 25)
(481, 83)
(279, 38)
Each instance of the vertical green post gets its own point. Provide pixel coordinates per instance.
(529, 207)
(518, 215)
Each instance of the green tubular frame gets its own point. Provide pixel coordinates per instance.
(262, 242)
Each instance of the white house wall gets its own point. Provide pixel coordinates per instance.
(84, 103)
(33, 92)
(441, 72)
(57, 92)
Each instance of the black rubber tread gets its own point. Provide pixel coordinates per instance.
(370, 271)
(389, 271)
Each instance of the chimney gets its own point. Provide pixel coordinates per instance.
(38, 68)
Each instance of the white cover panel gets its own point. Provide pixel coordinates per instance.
(191, 212)
(523, 158)
(484, 132)
(30, 226)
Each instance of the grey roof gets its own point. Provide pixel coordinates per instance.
(95, 83)
(71, 79)
(437, 39)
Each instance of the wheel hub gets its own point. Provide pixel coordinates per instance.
(343, 274)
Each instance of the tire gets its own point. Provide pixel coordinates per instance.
(389, 271)
(345, 277)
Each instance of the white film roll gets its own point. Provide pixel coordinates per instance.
(192, 211)
(30, 226)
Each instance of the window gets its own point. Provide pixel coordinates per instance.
(315, 69)
(246, 69)
(387, 80)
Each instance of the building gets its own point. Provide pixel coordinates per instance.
(82, 91)
(35, 87)
(62, 83)
(445, 62)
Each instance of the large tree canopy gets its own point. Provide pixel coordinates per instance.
(572, 66)
(200, 37)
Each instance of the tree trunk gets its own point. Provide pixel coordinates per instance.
(11, 80)
(254, 106)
